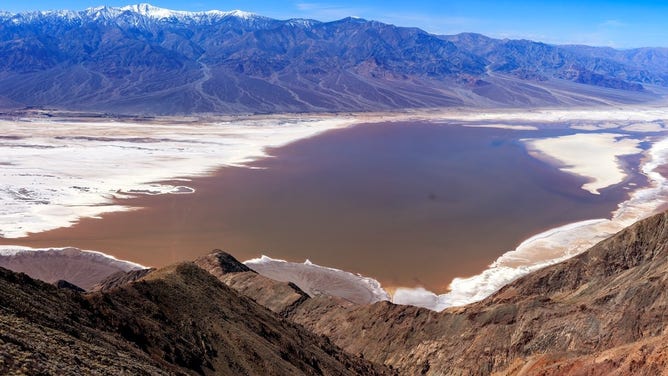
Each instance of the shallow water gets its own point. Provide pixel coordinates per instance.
(407, 203)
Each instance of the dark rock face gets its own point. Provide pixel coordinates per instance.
(127, 62)
(61, 284)
(177, 320)
(121, 278)
(43, 330)
(280, 297)
(219, 263)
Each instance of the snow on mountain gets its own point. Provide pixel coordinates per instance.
(302, 22)
(143, 10)
(145, 59)
(150, 11)
(26, 17)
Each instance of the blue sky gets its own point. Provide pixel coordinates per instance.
(620, 24)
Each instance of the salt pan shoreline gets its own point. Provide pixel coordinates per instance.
(54, 173)
(590, 155)
(552, 246)
(80, 267)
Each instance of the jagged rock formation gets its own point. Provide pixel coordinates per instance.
(220, 263)
(177, 320)
(147, 60)
(280, 297)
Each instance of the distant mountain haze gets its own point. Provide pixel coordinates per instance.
(142, 59)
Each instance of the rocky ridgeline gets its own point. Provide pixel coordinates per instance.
(599, 313)
(177, 320)
(148, 60)
(602, 312)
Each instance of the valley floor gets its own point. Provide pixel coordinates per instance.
(60, 173)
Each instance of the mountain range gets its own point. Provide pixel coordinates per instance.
(599, 313)
(142, 59)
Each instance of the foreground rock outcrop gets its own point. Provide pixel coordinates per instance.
(279, 297)
(600, 313)
(177, 320)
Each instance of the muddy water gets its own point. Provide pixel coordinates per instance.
(406, 203)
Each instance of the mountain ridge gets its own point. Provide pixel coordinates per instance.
(176, 320)
(146, 60)
(599, 313)
(142, 9)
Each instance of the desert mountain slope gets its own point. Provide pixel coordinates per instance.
(177, 320)
(602, 312)
(598, 66)
(147, 60)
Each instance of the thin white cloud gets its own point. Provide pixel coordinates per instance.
(598, 39)
(612, 24)
(327, 12)
(305, 7)
(427, 22)
(432, 24)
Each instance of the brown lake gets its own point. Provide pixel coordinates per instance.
(406, 203)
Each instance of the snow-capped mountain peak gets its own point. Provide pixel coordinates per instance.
(241, 14)
(150, 11)
(302, 22)
(30, 16)
(143, 10)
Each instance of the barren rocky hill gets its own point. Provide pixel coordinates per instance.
(581, 316)
(177, 320)
(600, 313)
